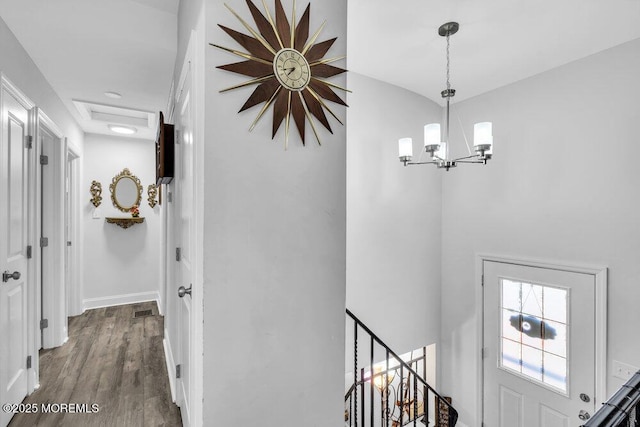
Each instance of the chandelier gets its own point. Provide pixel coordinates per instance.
(437, 146)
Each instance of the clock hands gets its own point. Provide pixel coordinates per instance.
(291, 70)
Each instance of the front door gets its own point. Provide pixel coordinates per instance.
(539, 337)
(13, 251)
(184, 226)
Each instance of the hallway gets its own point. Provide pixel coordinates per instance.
(113, 360)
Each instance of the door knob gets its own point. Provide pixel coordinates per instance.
(182, 291)
(584, 415)
(8, 275)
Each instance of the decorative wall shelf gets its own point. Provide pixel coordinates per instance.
(125, 222)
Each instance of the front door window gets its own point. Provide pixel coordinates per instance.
(534, 332)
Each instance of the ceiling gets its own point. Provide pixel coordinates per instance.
(499, 41)
(87, 47)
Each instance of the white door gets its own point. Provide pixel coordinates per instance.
(185, 239)
(13, 246)
(539, 338)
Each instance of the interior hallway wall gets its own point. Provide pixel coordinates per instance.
(393, 216)
(562, 187)
(121, 265)
(20, 69)
(274, 251)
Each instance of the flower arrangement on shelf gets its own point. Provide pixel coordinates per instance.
(135, 212)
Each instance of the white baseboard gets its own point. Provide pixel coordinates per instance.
(168, 357)
(160, 303)
(91, 303)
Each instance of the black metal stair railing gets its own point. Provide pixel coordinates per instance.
(388, 391)
(622, 410)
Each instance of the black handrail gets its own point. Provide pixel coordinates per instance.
(453, 414)
(622, 410)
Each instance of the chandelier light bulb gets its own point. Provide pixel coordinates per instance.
(482, 134)
(405, 149)
(483, 138)
(432, 137)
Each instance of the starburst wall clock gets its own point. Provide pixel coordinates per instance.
(288, 67)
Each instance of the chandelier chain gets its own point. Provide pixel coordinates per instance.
(448, 64)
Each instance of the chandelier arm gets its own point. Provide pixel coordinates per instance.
(464, 135)
(482, 162)
(421, 163)
(473, 156)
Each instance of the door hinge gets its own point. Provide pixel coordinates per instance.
(69, 243)
(170, 197)
(28, 362)
(178, 371)
(44, 323)
(482, 280)
(178, 254)
(44, 160)
(44, 242)
(29, 252)
(28, 141)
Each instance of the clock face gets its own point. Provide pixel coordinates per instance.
(289, 68)
(292, 69)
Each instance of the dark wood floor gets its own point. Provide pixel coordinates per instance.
(113, 360)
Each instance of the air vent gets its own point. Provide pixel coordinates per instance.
(143, 313)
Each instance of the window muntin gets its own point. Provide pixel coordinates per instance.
(534, 332)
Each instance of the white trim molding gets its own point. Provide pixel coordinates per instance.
(171, 364)
(600, 274)
(51, 216)
(74, 165)
(91, 303)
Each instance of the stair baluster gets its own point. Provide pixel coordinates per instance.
(400, 402)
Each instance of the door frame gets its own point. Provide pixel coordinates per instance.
(193, 65)
(54, 307)
(73, 171)
(600, 274)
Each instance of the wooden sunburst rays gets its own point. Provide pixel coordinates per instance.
(262, 45)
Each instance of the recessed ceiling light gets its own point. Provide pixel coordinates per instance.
(124, 130)
(114, 95)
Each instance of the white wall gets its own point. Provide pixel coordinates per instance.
(120, 265)
(16, 64)
(562, 187)
(393, 216)
(274, 251)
